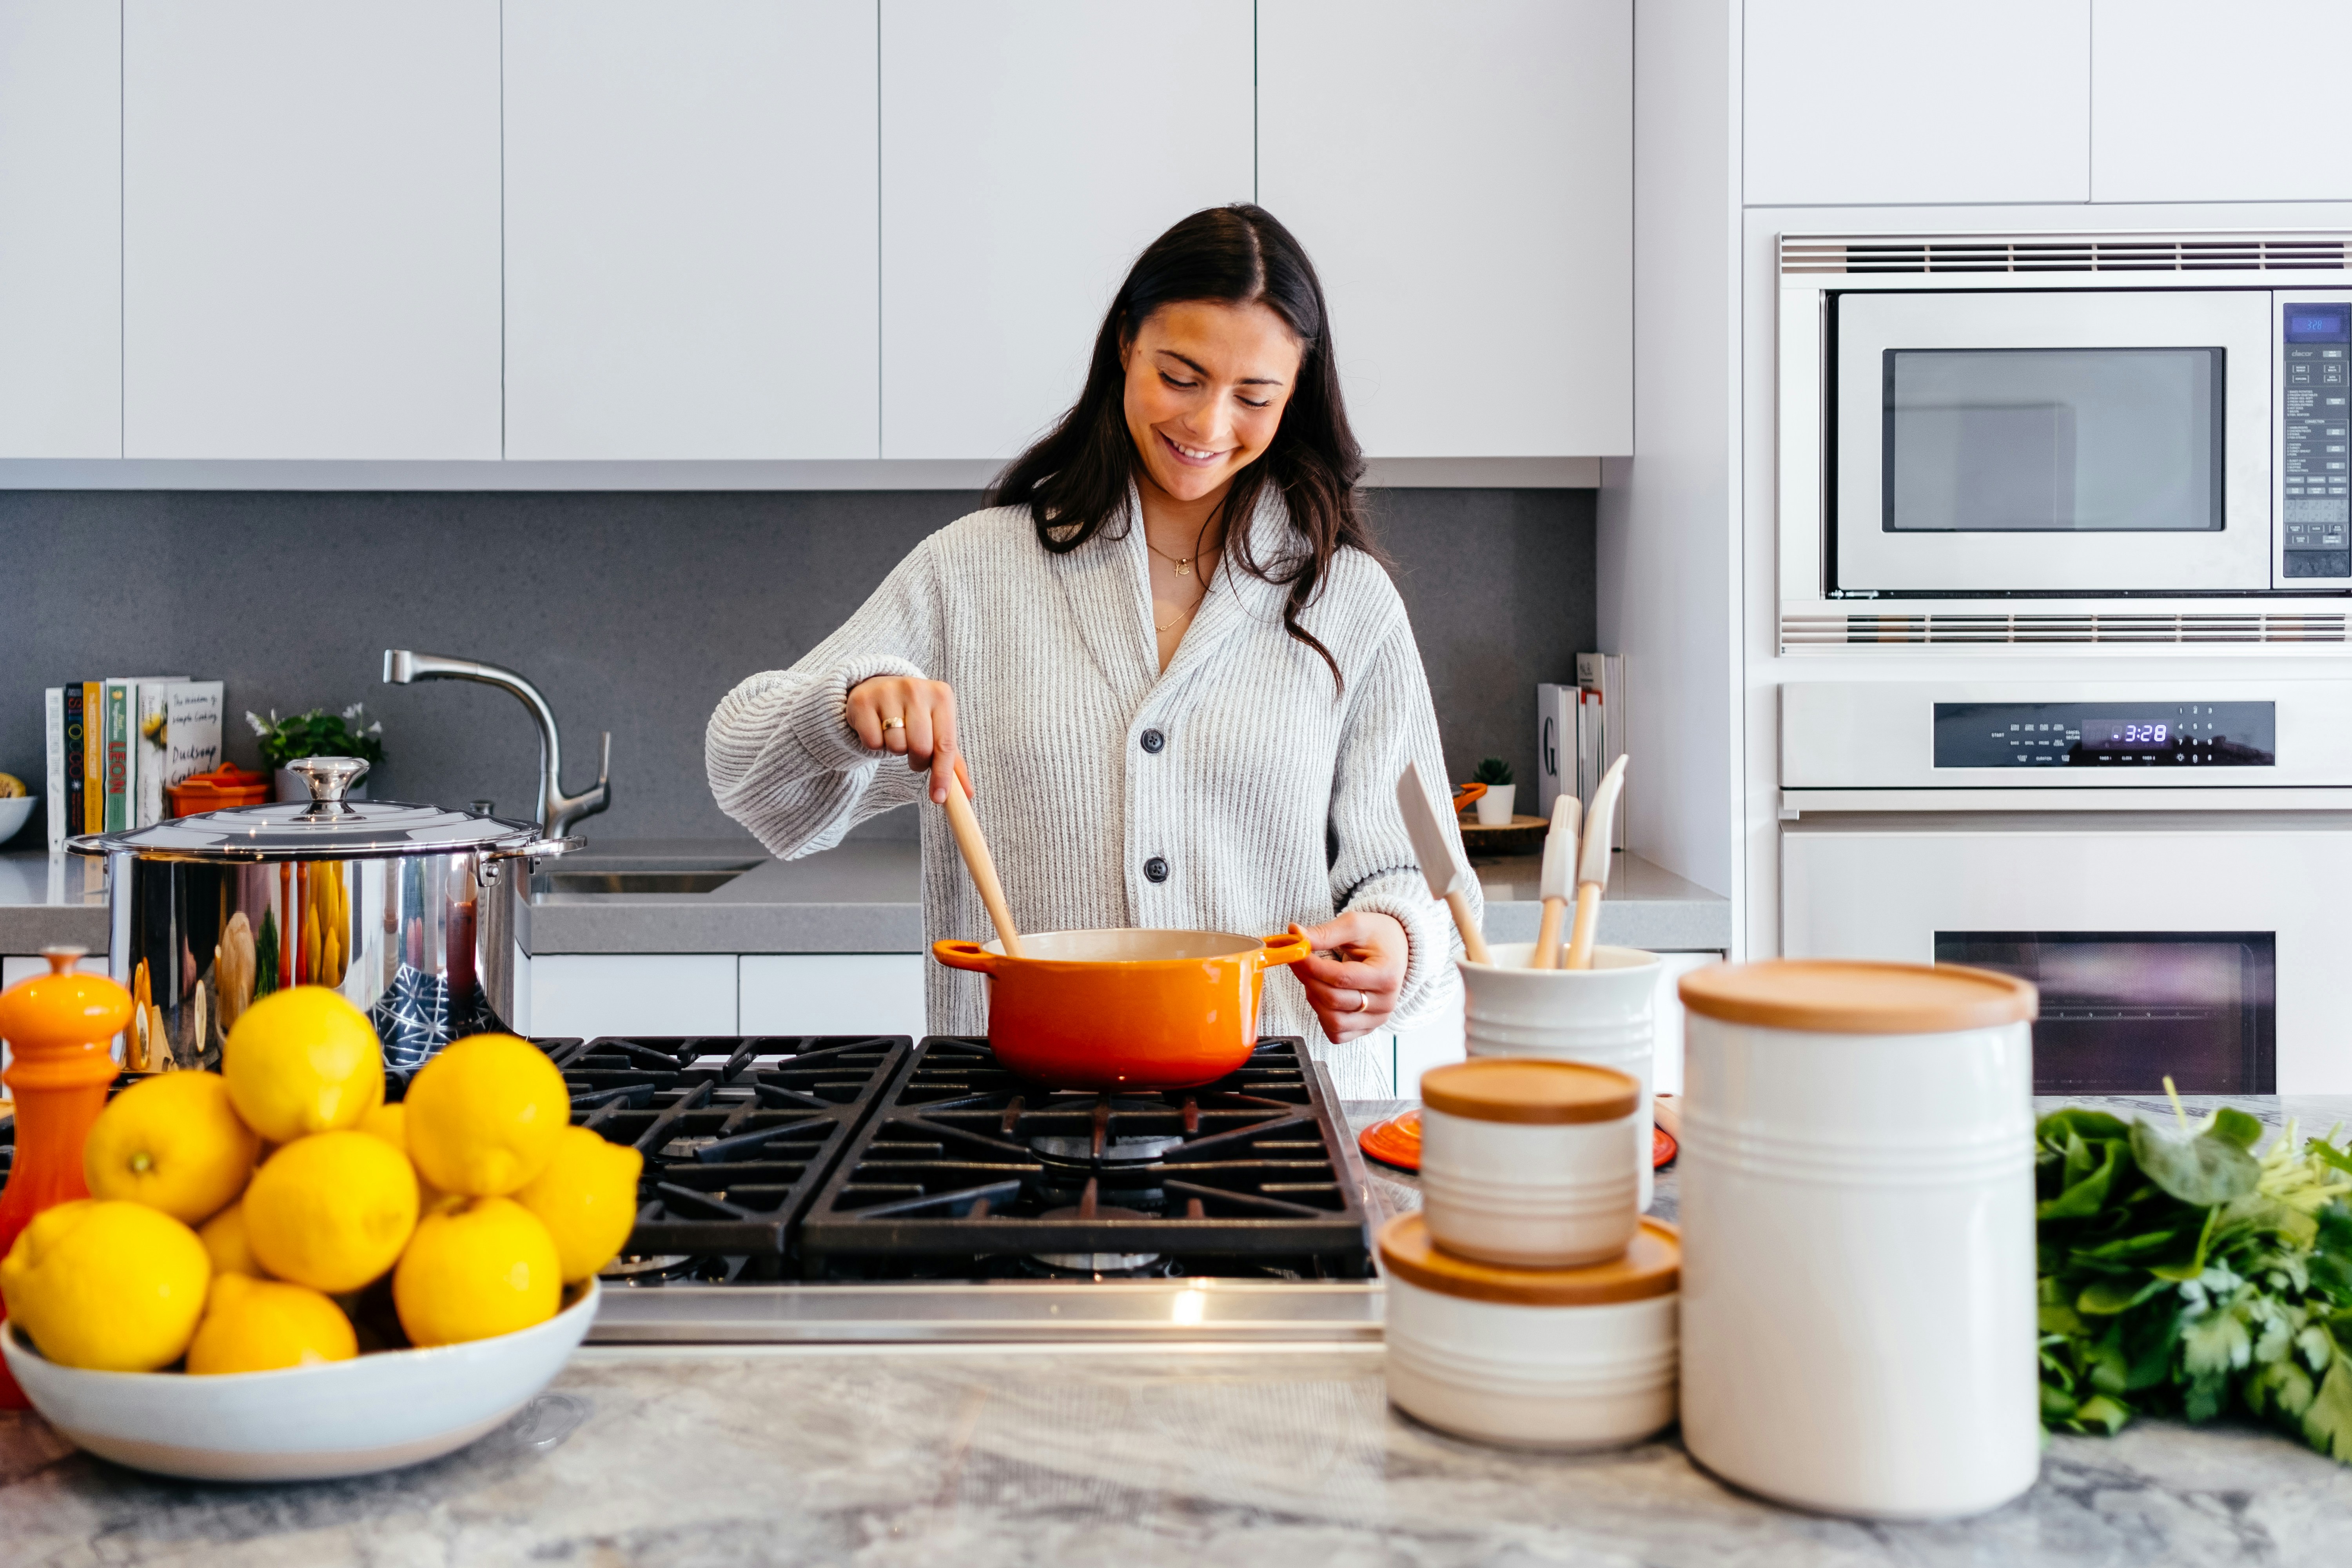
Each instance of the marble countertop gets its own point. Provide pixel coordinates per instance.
(865, 896)
(998, 1457)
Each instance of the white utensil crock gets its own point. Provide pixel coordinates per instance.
(1857, 1216)
(1605, 1015)
(1529, 1163)
(1557, 1373)
(1494, 807)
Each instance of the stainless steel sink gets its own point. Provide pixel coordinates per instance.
(701, 880)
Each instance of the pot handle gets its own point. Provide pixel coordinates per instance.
(965, 955)
(538, 849)
(1288, 948)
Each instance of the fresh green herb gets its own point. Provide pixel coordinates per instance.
(2182, 1274)
(1493, 773)
(318, 733)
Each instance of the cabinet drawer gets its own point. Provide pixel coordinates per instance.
(831, 994)
(590, 993)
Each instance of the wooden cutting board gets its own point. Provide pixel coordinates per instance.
(1525, 835)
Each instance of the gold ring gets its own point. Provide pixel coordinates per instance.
(894, 723)
(1362, 1002)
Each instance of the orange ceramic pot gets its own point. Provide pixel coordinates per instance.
(1124, 1009)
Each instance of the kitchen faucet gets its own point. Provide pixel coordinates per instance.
(557, 810)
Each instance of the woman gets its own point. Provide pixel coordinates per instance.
(1167, 657)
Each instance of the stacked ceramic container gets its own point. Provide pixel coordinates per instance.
(1528, 1301)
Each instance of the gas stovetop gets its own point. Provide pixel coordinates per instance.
(874, 1188)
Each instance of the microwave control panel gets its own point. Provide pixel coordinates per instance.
(2315, 438)
(2106, 735)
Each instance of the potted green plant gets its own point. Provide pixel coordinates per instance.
(1495, 806)
(316, 733)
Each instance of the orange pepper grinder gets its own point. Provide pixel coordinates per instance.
(60, 1027)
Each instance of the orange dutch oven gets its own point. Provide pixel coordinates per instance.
(1124, 1008)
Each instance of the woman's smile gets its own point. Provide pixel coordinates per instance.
(1194, 457)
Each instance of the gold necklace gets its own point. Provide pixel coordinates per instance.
(1184, 564)
(1181, 615)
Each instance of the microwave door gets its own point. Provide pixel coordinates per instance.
(2055, 443)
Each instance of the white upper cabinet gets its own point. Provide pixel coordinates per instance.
(1029, 150)
(2195, 102)
(1462, 176)
(60, 229)
(690, 216)
(1902, 102)
(310, 230)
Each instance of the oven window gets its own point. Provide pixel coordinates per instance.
(2122, 1009)
(2052, 441)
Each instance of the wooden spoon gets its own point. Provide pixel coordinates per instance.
(965, 826)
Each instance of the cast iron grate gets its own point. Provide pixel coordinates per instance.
(964, 1162)
(733, 1147)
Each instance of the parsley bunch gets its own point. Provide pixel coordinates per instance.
(2187, 1275)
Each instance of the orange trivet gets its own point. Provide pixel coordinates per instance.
(1397, 1142)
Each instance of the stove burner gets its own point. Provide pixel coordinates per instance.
(650, 1270)
(1089, 1154)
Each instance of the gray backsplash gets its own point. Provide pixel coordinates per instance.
(633, 612)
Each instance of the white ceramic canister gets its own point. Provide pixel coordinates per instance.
(1564, 1358)
(1858, 1219)
(1604, 1015)
(1528, 1161)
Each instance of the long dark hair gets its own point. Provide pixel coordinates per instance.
(1075, 480)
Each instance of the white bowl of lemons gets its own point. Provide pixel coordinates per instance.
(390, 1283)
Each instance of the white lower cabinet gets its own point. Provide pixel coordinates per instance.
(831, 994)
(1433, 1042)
(590, 993)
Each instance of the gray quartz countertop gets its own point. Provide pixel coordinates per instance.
(1035, 1455)
(865, 896)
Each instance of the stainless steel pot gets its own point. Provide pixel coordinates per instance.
(419, 915)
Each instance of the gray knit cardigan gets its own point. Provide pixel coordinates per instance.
(1237, 791)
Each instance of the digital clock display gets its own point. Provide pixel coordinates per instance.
(2125, 734)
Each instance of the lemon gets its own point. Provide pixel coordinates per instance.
(331, 1211)
(587, 1198)
(488, 1268)
(225, 1240)
(484, 1115)
(389, 1123)
(173, 1142)
(108, 1284)
(261, 1325)
(301, 1061)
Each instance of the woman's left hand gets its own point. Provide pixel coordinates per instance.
(1354, 974)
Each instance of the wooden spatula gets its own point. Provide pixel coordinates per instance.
(1593, 864)
(965, 826)
(1442, 864)
(1559, 884)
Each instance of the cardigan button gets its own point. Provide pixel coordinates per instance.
(1155, 869)
(1153, 740)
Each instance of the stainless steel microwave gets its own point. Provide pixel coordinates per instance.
(2099, 417)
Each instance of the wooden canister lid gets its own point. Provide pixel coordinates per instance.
(1854, 996)
(1530, 1090)
(1651, 1266)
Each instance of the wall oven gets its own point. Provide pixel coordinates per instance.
(2200, 925)
(2107, 417)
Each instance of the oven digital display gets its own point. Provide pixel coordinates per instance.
(2108, 735)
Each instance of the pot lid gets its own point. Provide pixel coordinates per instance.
(1530, 1090)
(326, 827)
(1854, 996)
(1652, 1265)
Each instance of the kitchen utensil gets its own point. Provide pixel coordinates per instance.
(1531, 1163)
(1559, 881)
(1560, 1358)
(973, 847)
(420, 916)
(375, 1412)
(1593, 864)
(1467, 795)
(1604, 1015)
(1857, 1171)
(1124, 1008)
(1439, 855)
(60, 1027)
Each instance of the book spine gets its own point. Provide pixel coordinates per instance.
(76, 742)
(93, 756)
(53, 762)
(149, 752)
(119, 725)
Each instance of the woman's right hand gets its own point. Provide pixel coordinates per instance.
(926, 731)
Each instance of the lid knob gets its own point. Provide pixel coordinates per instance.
(329, 778)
